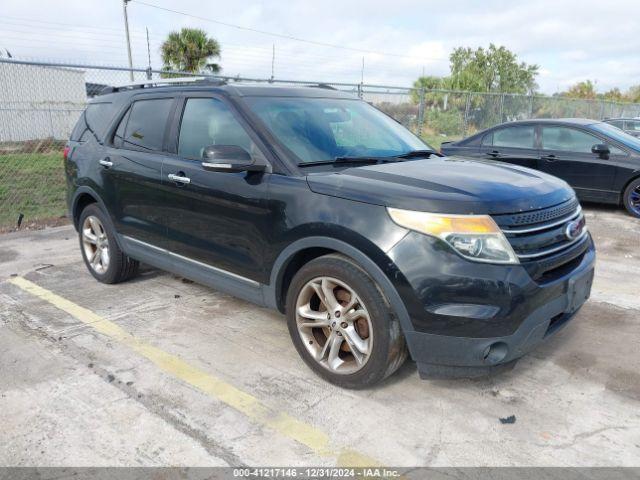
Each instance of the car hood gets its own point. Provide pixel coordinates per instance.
(446, 185)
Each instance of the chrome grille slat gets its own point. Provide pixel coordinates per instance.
(537, 235)
(549, 251)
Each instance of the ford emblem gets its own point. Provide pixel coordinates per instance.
(574, 229)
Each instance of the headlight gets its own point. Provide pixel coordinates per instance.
(476, 237)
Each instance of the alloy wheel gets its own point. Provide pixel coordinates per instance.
(334, 325)
(95, 244)
(634, 200)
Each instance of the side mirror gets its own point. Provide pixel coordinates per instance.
(601, 149)
(229, 158)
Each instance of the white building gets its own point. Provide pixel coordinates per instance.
(39, 102)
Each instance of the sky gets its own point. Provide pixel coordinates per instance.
(396, 40)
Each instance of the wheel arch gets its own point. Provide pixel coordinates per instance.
(294, 256)
(633, 177)
(82, 197)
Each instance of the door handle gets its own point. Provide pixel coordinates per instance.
(179, 178)
(549, 158)
(494, 153)
(106, 163)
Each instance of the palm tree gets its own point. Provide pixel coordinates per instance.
(189, 50)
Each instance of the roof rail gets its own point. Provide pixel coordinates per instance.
(162, 82)
(323, 85)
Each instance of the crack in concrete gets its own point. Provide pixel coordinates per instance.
(153, 403)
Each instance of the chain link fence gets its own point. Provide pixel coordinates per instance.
(41, 101)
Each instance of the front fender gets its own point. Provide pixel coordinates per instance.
(372, 268)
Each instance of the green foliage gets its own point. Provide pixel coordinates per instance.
(585, 90)
(35, 187)
(443, 122)
(190, 50)
(428, 82)
(495, 69)
(613, 95)
(633, 94)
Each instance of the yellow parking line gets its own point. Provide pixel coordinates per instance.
(308, 435)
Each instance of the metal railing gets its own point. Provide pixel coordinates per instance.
(41, 101)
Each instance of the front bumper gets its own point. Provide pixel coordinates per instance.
(509, 312)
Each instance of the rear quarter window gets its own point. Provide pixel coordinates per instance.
(93, 121)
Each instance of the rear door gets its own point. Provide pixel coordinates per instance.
(566, 153)
(219, 219)
(512, 144)
(132, 170)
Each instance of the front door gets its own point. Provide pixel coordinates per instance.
(219, 219)
(566, 153)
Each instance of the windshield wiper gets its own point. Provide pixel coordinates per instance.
(339, 160)
(418, 153)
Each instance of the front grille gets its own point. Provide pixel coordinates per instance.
(540, 240)
(538, 216)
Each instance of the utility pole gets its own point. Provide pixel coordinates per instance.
(126, 30)
(149, 75)
(273, 61)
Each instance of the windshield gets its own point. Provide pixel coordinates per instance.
(618, 135)
(321, 129)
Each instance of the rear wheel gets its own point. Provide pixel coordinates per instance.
(100, 251)
(341, 324)
(631, 198)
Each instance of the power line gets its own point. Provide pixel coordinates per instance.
(285, 36)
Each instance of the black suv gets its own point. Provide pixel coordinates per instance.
(313, 202)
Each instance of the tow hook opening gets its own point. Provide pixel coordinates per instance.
(494, 353)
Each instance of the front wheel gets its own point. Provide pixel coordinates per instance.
(341, 325)
(631, 198)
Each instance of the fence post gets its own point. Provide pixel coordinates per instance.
(467, 107)
(360, 90)
(421, 108)
(501, 108)
(531, 105)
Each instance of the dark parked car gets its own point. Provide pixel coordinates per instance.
(600, 162)
(629, 125)
(312, 202)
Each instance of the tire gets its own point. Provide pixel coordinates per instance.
(371, 343)
(96, 233)
(631, 198)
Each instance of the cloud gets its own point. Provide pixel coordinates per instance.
(571, 40)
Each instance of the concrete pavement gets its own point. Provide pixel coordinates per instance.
(160, 371)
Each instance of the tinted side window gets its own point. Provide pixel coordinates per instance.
(633, 125)
(568, 140)
(118, 137)
(146, 124)
(94, 120)
(617, 123)
(515, 137)
(208, 121)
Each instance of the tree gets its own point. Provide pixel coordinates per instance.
(495, 69)
(613, 95)
(190, 50)
(428, 82)
(633, 94)
(585, 90)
